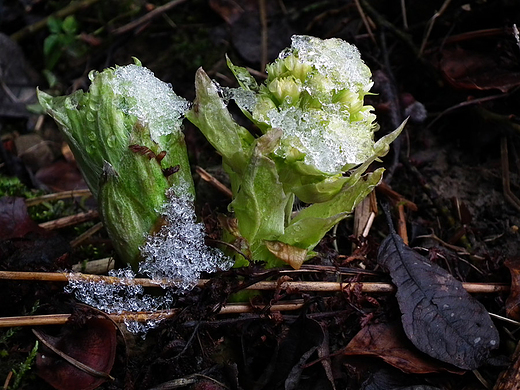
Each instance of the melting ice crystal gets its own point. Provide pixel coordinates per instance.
(315, 93)
(178, 251)
(175, 255)
(155, 101)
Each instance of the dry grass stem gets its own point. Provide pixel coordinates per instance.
(367, 287)
(204, 175)
(70, 220)
(60, 319)
(84, 236)
(58, 196)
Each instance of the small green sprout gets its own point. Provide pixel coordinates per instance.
(24, 367)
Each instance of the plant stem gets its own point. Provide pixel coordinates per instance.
(366, 287)
(70, 220)
(60, 319)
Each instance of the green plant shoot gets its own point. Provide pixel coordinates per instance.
(125, 133)
(317, 142)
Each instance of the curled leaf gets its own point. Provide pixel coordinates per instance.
(87, 355)
(439, 316)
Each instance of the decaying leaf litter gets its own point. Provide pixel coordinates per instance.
(450, 167)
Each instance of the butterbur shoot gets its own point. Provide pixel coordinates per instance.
(125, 133)
(317, 142)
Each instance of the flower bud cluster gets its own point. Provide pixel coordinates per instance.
(314, 92)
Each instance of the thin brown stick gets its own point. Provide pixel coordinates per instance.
(8, 380)
(57, 196)
(60, 319)
(401, 224)
(84, 236)
(204, 175)
(365, 21)
(70, 220)
(148, 17)
(431, 23)
(395, 196)
(367, 287)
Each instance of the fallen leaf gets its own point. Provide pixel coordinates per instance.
(61, 176)
(439, 317)
(385, 379)
(15, 222)
(388, 342)
(513, 300)
(470, 69)
(93, 345)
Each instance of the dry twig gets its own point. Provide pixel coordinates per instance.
(367, 287)
(204, 175)
(57, 196)
(147, 18)
(70, 220)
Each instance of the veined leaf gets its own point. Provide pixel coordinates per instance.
(439, 317)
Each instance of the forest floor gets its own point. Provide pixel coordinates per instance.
(452, 176)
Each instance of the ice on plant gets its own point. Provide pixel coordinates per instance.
(155, 103)
(178, 251)
(338, 62)
(314, 93)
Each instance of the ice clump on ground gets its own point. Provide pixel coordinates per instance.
(174, 257)
(118, 298)
(156, 104)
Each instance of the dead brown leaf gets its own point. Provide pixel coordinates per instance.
(513, 301)
(93, 345)
(388, 342)
(470, 69)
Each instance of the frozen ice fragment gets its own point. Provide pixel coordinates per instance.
(329, 142)
(178, 251)
(338, 61)
(116, 298)
(155, 101)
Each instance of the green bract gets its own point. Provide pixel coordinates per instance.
(117, 132)
(316, 131)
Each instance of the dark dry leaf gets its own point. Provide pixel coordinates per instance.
(287, 367)
(61, 176)
(302, 340)
(438, 315)
(93, 344)
(469, 69)
(388, 342)
(513, 301)
(390, 379)
(14, 219)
